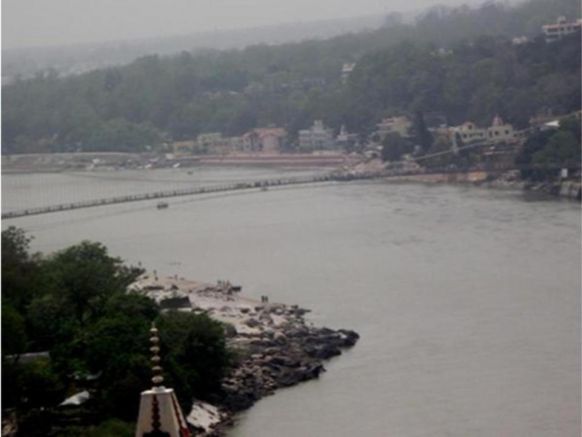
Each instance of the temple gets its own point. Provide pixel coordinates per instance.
(159, 412)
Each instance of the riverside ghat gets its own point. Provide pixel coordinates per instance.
(276, 345)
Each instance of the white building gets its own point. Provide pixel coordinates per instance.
(519, 40)
(316, 137)
(469, 132)
(561, 28)
(400, 125)
(345, 139)
(347, 70)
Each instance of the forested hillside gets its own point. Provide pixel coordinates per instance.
(459, 62)
(74, 304)
(474, 81)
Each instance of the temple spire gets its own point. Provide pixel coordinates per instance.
(160, 414)
(157, 378)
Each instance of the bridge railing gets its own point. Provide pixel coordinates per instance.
(258, 184)
(167, 194)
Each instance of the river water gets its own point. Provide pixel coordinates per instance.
(467, 300)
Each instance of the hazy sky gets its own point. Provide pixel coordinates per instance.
(57, 22)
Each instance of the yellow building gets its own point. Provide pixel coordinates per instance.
(500, 132)
(469, 132)
(183, 147)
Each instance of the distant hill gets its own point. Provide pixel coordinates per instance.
(457, 61)
(80, 58)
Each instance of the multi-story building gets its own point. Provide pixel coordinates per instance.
(400, 125)
(266, 140)
(345, 139)
(210, 139)
(236, 143)
(500, 131)
(316, 137)
(183, 147)
(347, 70)
(469, 132)
(561, 28)
(213, 143)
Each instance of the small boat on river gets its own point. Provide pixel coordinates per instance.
(162, 205)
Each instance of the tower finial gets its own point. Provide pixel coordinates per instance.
(159, 411)
(157, 378)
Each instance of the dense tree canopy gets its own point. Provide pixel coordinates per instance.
(458, 61)
(473, 82)
(200, 342)
(394, 146)
(551, 150)
(74, 304)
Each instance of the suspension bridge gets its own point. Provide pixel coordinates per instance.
(391, 171)
(261, 184)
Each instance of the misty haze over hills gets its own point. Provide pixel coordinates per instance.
(462, 62)
(79, 58)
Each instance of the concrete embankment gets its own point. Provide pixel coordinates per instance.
(567, 189)
(291, 159)
(275, 345)
(571, 190)
(55, 162)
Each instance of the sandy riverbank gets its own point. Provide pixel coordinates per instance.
(276, 345)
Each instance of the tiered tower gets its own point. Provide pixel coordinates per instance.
(159, 412)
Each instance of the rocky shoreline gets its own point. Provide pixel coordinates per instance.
(275, 345)
(566, 189)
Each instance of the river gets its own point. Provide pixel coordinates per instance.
(467, 300)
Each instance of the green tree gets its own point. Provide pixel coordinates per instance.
(40, 385)
(572, 125)
(562, 150)
(86, 277)
(442, 146)
(31, 385)
(195, 356)
(116, 349)
(545, 152)
(394, 146)
(110, 428)
(421, 133)
(13, 332)
(458, 61)
(21, 274)
(121, 135)
(93, 326)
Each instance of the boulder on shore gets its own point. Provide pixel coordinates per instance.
(275, 346)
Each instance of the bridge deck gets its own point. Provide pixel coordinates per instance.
(166, 194)
(247, 186)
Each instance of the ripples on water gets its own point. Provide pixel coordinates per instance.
(467, 300)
